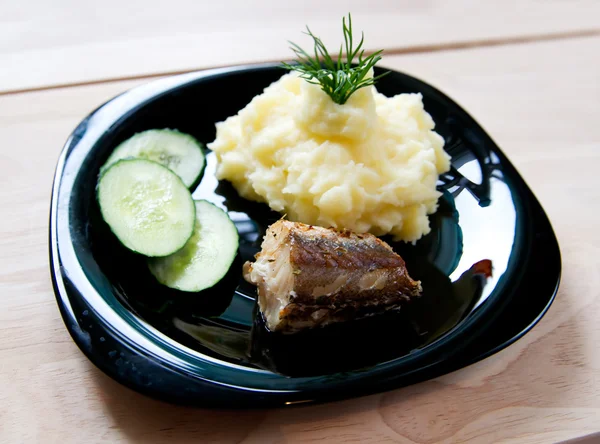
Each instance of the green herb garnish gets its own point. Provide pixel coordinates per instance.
(338, 79)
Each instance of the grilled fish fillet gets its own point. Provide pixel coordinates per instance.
(311, 276)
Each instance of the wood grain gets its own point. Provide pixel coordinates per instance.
(61, 42)
(538, 101)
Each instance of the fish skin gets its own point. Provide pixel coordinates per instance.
(322, 255)
(337, 276)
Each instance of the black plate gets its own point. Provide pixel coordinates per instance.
(210, 349)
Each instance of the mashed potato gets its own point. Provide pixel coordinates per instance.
(370, 165)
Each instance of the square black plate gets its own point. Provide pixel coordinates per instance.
(490, 267)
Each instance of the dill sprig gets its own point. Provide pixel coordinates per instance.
(339, 79)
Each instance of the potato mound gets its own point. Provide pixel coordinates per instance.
(370, 165)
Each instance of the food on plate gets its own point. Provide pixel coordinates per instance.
(310, 276)
(146, 206)
(179, 152)
(144, 198)
(205, 258)
(322, 145)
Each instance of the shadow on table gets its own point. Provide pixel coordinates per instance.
(143, 419)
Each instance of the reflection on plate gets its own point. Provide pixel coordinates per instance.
(490, 267)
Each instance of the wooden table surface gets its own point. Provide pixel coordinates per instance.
(529, 71)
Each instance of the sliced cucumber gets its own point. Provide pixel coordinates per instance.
(206, 257)
(147, 206)
(179, 152)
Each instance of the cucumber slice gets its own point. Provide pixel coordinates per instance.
(146, 206)
(179, 152)
(206, 257)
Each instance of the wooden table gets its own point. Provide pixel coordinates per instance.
(529, 71)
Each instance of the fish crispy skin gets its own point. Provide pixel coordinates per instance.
(311, 276)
